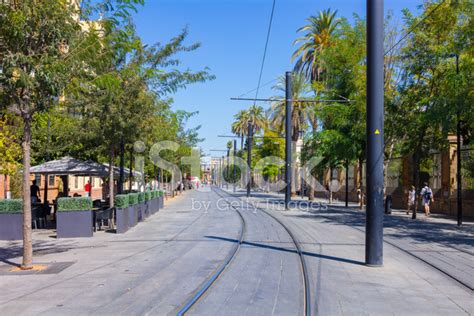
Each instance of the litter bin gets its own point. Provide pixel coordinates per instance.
(388, 204)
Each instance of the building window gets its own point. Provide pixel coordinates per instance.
(38, 179)
(76, 182)
(51, 181)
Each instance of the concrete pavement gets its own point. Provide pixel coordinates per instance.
(154, 268)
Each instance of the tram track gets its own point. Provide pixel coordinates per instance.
(201, 291)
(206, 285)
(300, 252)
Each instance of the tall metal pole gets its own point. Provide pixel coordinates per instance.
(46, 176)
(249, 156)
(288, 128)
(227, 170)
(233, 166)
(459, 152)
(347, 183)
(301, 169)
(375, 139)
(130, 178)
(122, 166)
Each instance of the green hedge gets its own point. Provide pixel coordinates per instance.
(11, 206)
(153, 194)
(147, 196)
(121, 200)
(141, 197)
(67, 204)
(160, 193)
(132, 198)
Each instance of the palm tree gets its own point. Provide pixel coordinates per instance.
(257, 118)
(239, 126)
(255, 115)
(318, 36)
(301, 112)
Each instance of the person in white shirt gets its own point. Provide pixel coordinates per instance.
(411, 199)
(427, 195)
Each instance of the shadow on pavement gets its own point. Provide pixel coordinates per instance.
(310, 254)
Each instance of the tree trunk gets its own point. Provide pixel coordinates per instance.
(416, 180)
(130, 176)
(293, 168)
(122, 167)
(27, 242)
(5, 186)
(111, 178)
(361, 188)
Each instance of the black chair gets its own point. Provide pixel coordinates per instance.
(38, 216)
(101, 216)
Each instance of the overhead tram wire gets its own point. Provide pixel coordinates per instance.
(265, 50)
(414, 27)
(261, 86)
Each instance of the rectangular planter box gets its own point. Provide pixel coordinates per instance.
(11, 226)
(147, 208)
(73, 224)
(140, 212)
(161, 202)
(132, 215)
(154, 206)
(122, 218)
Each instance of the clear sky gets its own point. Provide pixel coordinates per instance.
(232, 34)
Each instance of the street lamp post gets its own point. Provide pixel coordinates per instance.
(249, 156)
(374, 130)
(459, 152)
(288, 128)
(233, 165)
(300, 169)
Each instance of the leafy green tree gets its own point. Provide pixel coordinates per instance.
(37, 62)
(431, 90)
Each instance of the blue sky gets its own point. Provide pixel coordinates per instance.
(232, 34)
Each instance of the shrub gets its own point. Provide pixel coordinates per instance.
(141, 197)
(147, 196)
(122, 200)
(67, 204)
(161, 193)
(153, 194)
(11, 206)
(133, 198)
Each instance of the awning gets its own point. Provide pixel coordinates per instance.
(71, 166)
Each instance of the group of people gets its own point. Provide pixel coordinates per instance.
(35, 191)
(426, 195)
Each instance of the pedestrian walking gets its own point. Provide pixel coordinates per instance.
(87, 188)
(427, 195)
(34, 192)
(411, 199)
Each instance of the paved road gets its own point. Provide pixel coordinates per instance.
(154, 268)
(151, 269)
(405, 285)
(436, 240)
(264, 279)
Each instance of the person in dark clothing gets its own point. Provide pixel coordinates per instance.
(34, 192)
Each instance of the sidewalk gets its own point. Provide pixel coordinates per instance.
(435, 240)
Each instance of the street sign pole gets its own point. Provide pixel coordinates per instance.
(233, 166)
(375, 139)
(288, 97)
(249, 157)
